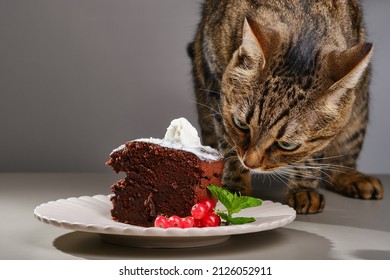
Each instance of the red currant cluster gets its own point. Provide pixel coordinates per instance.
(202, 215)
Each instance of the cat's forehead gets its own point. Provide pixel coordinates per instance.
(279, 94)
(287, 87)
(271, 104)
(273, 93)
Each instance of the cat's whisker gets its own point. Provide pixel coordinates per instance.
(208, 107)
(233, 147)
(319, 169)
(210, 90)
(264, 177)
(324, 167)
(230, 158)
(330, 157)
(315, 173)
(243, 168)
(284, 175)
(230, 153)
(231, 150)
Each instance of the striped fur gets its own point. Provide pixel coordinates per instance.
(282, 89)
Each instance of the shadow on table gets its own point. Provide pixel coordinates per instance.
(282, 243)
(372, 254)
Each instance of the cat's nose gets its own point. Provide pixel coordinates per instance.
(252, 160)
(250, 165)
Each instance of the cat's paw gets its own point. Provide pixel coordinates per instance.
(306, 201)
(237, 183)
(358, 185)
(238, 189)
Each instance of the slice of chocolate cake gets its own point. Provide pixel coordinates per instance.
(163, 176)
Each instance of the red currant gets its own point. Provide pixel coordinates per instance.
(199, 210)
(161, 222)
(187, 222)
(209, 203)
(175, 221)
(211, 220)
(197, 223)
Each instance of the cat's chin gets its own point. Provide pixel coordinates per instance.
(259, 170)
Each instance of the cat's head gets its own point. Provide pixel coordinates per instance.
(284, 102)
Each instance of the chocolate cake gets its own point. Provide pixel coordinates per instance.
(163, 176)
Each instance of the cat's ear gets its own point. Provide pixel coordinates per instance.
(256, 42)
(345, 68)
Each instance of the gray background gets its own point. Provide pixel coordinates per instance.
(78, 78)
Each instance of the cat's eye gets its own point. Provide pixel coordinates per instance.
(286, 146)
(241, 125)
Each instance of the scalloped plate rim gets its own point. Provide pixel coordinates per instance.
(43, 214)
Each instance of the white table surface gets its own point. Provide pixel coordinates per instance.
(347, 229)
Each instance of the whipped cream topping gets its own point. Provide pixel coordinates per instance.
(183, 136)
(181, 132)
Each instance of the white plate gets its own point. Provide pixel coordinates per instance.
(92, 214)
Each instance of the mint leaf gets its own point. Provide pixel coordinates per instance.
(248, 201)
(224, 196)
(235, 220)
(223, 216)
(234, 204)
(242, 202)
(241, 220)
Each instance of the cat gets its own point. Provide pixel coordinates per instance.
(282, 88)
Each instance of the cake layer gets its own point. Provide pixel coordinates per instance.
(159, 180)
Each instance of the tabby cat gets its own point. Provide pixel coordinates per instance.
(282, 89)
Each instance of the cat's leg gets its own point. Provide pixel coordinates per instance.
(236, 178)
(348, 181)
(302, 192)
(343, 154)
(358, 185)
